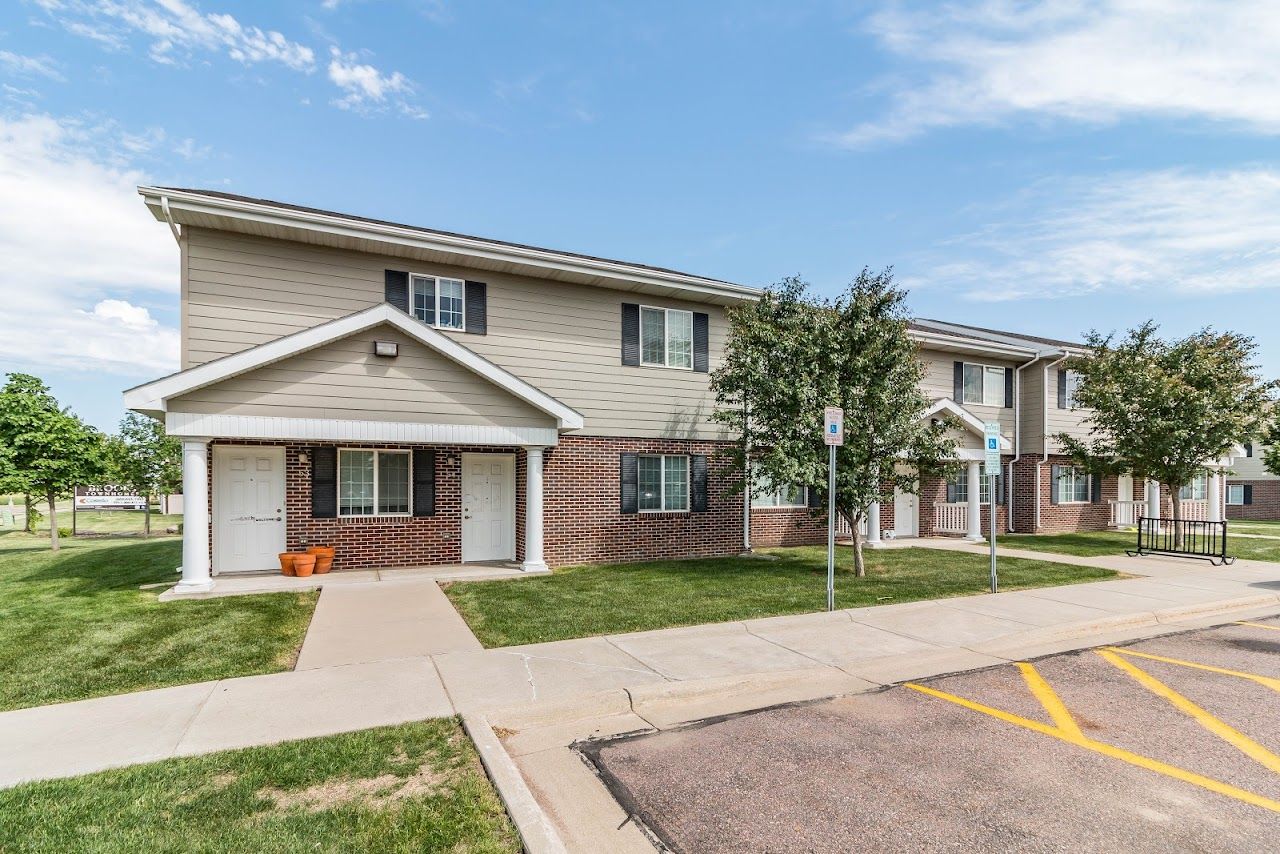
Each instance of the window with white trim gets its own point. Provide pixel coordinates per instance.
(666, 337)
(439, 298)
(373, 483)
(1073, 485)
(1072, 383)
(663, 482)
(1235, 494)
(958, 487)
(983, 385)
(1197, 490)
(769, 494)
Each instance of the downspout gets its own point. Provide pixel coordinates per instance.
(1044, 431)
(168, 217)
(1017, 439)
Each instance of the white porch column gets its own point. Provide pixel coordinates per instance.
(1215, 495)
(975, 504)
(533, 561)
(1153, 499)
(195, 517)
(873, 525)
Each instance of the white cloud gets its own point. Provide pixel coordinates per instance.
(1094, 61)
(364, 86)
(1169, 232)
(177, 28)
(82, 257)
(29, 66)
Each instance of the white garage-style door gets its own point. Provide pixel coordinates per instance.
(488, 507)
(248, 508)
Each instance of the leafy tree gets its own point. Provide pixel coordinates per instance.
(49, 449)
(1271, 441)
(790, 355)
(145, 459)
(1163, 408)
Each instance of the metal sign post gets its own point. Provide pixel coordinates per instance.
(833, 435)
(991, 443)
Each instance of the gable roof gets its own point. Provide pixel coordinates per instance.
(1031, 342)
(153, 396)
(965, 417)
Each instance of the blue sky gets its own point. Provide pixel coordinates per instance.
(1045, 167)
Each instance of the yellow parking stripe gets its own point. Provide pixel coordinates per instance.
(1270, 682)
(1257, 625)
(1218, 727)
(1155, 765)
(1049, 699)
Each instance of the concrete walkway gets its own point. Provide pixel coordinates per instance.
(392, 651)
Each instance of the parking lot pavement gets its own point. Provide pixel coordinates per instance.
(1165, 744)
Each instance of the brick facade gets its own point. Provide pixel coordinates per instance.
(1266, 501)
(933, 490)
(772, 527)
(1057, 518)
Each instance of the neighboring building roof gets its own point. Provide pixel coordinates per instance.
(1032, 341)
(152, 396)
(215, 208)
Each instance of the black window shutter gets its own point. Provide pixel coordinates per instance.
(1095, 489)
(1055, 472)
(630, 334)
(701, 325)
(1000, 493)
(628, 476)
(424, 482)
(1062, 389)
(1008, 388)
(951, 491)
(477, 308)
(1248, 494)
(396, 283)
(816, 498)
(324, 483)
(1248, 449)
(958, 391)
(698, 483)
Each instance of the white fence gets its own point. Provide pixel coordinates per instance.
(844, 532)
(1125, 514)
(951, 518)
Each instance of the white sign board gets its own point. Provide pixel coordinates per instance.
(991, 443)
(108, 498)
(833, 425)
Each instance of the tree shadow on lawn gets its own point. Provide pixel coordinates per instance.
(88, 569)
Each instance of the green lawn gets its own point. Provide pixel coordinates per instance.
(1097, 543)
(415, 787)
(1270, 529)
(595, 600)
(92, 521)
(76, 624)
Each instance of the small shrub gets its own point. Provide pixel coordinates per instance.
(65, 532)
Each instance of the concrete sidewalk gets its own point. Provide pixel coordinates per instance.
(388, 652)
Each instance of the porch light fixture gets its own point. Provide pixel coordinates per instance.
(386, 349)
(304, 457)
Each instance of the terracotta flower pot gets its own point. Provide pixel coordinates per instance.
(324, 558)
(303, 565)
(286, 563)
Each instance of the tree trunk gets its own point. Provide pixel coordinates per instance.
(146, 519)
(1175, 496)
(859, 568)
(53, 521)
(30, 507)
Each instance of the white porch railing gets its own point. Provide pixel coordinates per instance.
(1195, 511)
(1125, 514)
(951, 518)
(844, 532)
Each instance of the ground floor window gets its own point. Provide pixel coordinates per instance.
(663, 482)
(769, 494)
(373, 483)
(1235, 493)
(958, 488)
(1197, 490)
(1072, 485)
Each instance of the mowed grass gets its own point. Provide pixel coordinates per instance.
(1249, 526)
(76, 624)
(1098, 543)
(90, 521)
(415, 787)
(596, 600)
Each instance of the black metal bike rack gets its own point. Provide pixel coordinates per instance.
(1194, 538)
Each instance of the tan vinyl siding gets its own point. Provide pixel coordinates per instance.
(563, 338)
(345, 381)
(1031, 412)
(1251, 468)
(1069, 421)
(939, 381)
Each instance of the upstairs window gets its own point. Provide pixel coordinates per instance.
(663, 482)
(438, 301)
(983, 385)
(1072, 382)
(666, 337)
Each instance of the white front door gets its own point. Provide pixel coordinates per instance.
(488, 507)
(905, 513)
(1124, 488)
(248, 508)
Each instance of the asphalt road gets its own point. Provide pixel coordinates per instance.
(1096, 750)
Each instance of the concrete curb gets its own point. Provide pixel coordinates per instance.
(537, 833)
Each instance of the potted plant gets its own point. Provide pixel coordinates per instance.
(303, 564)
(286, 563)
